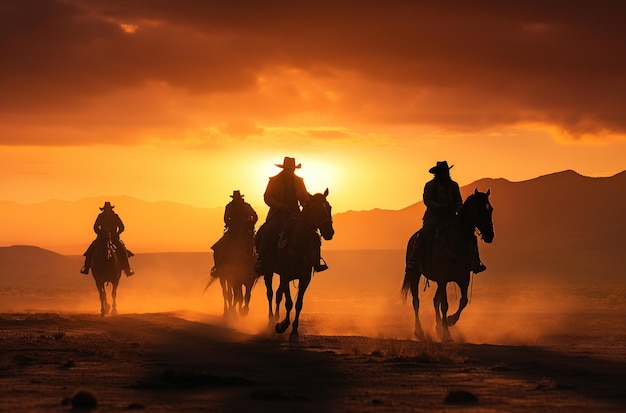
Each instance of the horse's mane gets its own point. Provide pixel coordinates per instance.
(468, 201)
(314, 197)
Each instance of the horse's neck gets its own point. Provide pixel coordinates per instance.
(466, 217)
(300, 234)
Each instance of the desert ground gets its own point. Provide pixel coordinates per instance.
(518, 347)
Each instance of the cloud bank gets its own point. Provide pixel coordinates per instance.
(125, 71)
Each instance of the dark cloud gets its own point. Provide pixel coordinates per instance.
(462, 65)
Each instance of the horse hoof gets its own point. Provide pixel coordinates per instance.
(281, 327)
(294, 335)
(419, 334)
(452, 320)
(446, 338)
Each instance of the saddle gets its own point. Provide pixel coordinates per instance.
(426, 242)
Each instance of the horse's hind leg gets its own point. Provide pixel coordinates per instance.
(283, 288)
(441, 304)
(419, 332)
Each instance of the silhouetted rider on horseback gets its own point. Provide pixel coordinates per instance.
(443, 201)
(285, 195)
(108, 226)
(239, 221)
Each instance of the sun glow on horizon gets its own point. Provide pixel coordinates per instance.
(318, 175)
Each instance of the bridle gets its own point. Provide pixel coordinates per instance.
(318, 222)
(478, 223)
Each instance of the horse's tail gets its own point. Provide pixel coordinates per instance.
(411, 278)
(208, 284)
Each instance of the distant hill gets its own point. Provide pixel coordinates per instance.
(563, 210)
(24, 265)
(562, 223)
(67, 227)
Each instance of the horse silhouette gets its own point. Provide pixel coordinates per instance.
(296, 252)
(450, 261)
(236, 274)
(106, 269)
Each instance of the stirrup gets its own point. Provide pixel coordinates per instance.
(480, 267)
(84, 270)
(321, 265)
(259, 268)
(129, 271)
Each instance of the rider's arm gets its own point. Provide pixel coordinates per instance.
(96, 225)
(301, 191)
(120, 224)
(252, 215)
(458, 199)
(270, 197)
(430, 198)
(227, 214)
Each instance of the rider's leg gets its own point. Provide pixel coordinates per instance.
(123, 256)
(320, 264)
(412, 264)
(217, 250)
(87, 254)
(266, 244)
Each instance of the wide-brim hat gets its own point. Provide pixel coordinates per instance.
(289, 163)
(107, 205)
(236, 195)
(441, 166)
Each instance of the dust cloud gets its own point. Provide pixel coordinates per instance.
(359, 295)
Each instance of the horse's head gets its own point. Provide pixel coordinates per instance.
(477, 211)
(317, 213)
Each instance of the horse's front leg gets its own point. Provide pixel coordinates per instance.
(246, 300)
(419, 332)
(302, 286)
(227, 295)
(237, 297)
(270, 295)
(114, 297)
(280, 294)
(283, 288)
(441, 296)
(437, 305)
(104, 305)
(463, 286)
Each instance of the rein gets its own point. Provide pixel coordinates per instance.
(301, 222)
(474, 219)
(111, 248)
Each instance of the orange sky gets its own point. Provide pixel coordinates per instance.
(186, 101)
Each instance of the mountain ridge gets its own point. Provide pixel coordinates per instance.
(552, 208)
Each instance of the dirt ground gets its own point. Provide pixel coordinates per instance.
(163, 362)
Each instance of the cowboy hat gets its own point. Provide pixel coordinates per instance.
(108, 205)
(441, 166)
(289, 163)
(236, 195)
